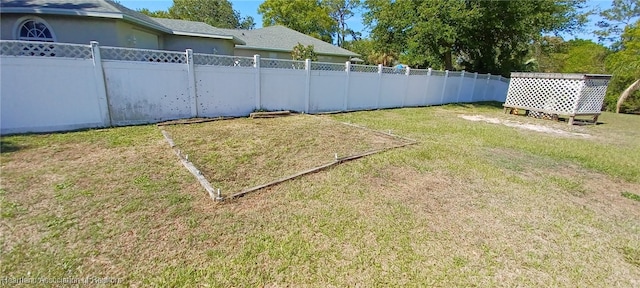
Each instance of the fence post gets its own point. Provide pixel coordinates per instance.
(407, 72)
(473, 87)
(379, 86)
(460, 86)
(345, 105)
(101, 85)
(486, 86)
(258, 93)
(307, 88)
(191, 86)
(444, 86)
(426, 90)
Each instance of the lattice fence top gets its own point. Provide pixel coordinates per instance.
(437, 73)
(454, 74)
(145, 55)
(324, 66)
(394, 70)
(562, 94)
(222, 60)
(45, 49)
(364, 68)
(418, 72)
(281, 64)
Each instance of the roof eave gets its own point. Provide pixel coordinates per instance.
(226, 37)
(69, 12)
(59, 11)
(146, 24)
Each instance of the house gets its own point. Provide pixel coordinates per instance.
(111, 24)
(105, 21)
(278, 42)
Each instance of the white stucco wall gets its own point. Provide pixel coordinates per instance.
(198, 44)
(68, 29)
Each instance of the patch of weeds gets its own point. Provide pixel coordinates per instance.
(59, 225)
(193, 222)
(178, 198)
(64, 191)
(631, 196)
(62, 186)
(574, 188)
(460, 261)
(131, 206)
(631, 255)
(9, 209)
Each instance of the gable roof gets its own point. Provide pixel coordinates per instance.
(111, 9)
(283, 39)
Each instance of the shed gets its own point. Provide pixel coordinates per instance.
(557, 94)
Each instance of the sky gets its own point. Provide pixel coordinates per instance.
(250, 8)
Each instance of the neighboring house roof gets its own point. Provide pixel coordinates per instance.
(193, 28)
(283, 39)
(272, 38)
(110, 9)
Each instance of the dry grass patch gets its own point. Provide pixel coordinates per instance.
(472, 204)
(242, 153)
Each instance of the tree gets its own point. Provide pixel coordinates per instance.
(157, 13)
(481, 36)
(306, 16)
(584, 56)
(217, 13)
(548, 54)
(340, 11)
(620, 15)
(623, 94)
(301, 52)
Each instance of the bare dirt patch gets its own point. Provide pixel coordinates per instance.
(526, 126)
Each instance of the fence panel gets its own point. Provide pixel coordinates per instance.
(327, 91)
(434, 89)
(48, 94)
(146, 92)
(416, 86)
(364, 91)
(225, 91)
(392, 90)
(283, 89)
(451, 88)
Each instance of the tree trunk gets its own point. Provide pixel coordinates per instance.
(448, 64)
(626, 93)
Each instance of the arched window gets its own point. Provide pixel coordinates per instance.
(34, 29)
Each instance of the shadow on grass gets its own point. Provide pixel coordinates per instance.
(484, 104)
(8, 146)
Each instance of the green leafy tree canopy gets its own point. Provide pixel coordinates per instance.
(306, 16)
(217, 13)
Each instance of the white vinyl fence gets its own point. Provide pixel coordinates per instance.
(56, 87)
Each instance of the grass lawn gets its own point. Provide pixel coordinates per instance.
(472, 204)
